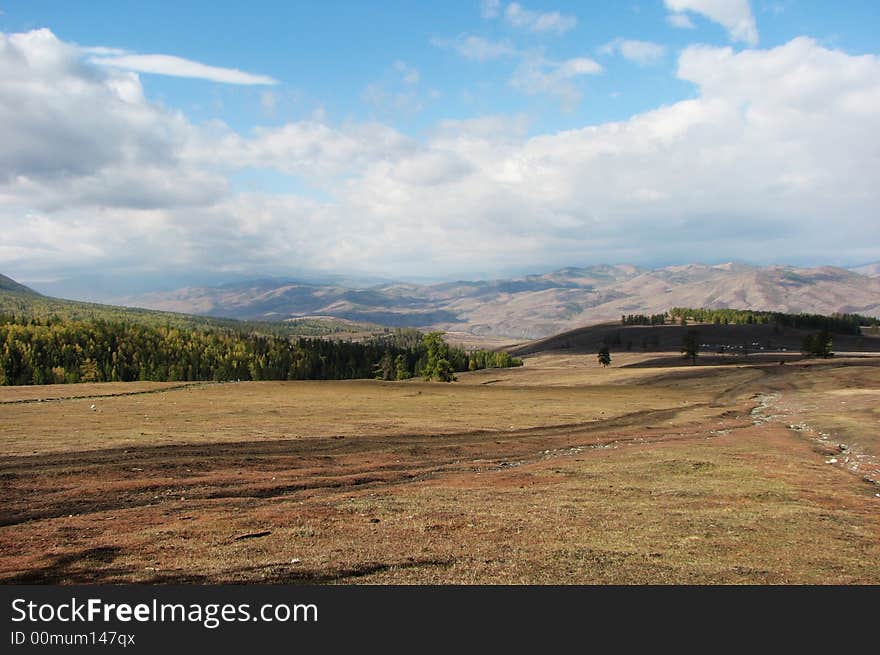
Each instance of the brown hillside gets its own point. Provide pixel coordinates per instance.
(666, 338)
(535, 306)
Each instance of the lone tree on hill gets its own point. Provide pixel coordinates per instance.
(604, 356)
(690, 345)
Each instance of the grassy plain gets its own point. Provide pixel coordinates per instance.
(556, 472)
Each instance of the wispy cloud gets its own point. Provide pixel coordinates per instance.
(644, 53)
(681, 21)
(407, 73)
(536, 21)
(103, 50)
(268, 102)
(776, 8)
(398, 93)
(391, 102)
(539, 75)
(476, 47)
(734, 15)
(173, 66)
(490, 8)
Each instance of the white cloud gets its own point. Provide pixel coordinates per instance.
(734, 15)
(681, 21)
(539, 75)
(179, 67)
(774, 158)
(477, 47)
(643, 53)
(535, 21)
(61, 118)
(104, 51)
(485, 129)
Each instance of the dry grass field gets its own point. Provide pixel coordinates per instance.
(556, 472)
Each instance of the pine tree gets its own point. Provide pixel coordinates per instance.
(401, 368)
(385, 368)
(438, 365)
(690, 345)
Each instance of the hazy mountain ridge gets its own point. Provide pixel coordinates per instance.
(535, 306)
(871, 270)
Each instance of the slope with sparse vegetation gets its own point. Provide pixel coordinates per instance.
(50, 341)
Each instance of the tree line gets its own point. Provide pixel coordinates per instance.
(643, 319)
(840, 323)
(817, 345)
(54, 351)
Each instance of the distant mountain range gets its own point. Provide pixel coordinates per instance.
(535, 306)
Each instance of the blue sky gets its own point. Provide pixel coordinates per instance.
(343, 102)
(325, 55)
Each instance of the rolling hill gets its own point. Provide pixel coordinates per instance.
(7, 284)
(19, 300)
(535, 306)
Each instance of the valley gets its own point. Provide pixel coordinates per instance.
(560, 471)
